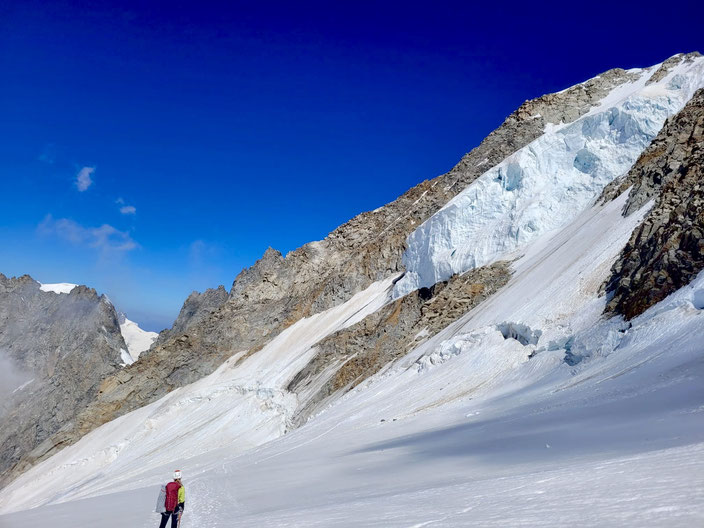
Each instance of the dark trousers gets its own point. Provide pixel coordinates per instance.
(165, 518)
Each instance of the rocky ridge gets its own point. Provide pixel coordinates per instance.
(667, 250)
(670, 63)
(197, 307)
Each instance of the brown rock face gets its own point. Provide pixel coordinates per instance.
(673, 61)
(667, 250)
(276, 292)
(360, 351)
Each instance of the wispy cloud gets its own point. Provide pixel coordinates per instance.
(204, 257)
(104, 237)
(126, 209)
(83, 178)
(200, 252)
(204, 262)
(48, 154)
(12, 377)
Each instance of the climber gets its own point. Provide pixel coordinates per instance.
(173, 503)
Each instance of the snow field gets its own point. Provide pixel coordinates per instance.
(488, 437)
(465, 430)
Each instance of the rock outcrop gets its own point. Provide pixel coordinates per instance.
(62, 345)
(670, 63)
(197, 307)
(667, 250)
(348, 357)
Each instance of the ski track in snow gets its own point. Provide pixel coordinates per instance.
(472, 428)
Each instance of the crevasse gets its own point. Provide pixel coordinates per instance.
(546, 184)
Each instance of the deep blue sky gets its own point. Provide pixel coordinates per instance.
(220, 130)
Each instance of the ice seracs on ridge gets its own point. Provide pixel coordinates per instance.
(547, 183)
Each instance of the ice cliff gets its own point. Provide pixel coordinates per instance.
(546, 184)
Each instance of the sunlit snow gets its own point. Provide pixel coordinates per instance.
(546, 184)
(60, 287)
(471, 428)
(136, 339)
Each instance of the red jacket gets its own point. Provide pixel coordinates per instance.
(171, 496)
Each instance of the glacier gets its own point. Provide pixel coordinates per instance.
(546, 184)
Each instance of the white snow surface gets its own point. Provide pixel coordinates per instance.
(126, 357)
(466, 430)
(136, 339)
(547, 183)
(59, 287)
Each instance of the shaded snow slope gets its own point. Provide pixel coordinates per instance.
(136, 339)
(59, 287)
(546, 184)
(485, 424)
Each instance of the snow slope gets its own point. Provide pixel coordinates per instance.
(546, 184)
(136, 339)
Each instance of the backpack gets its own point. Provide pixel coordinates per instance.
(171, 496)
